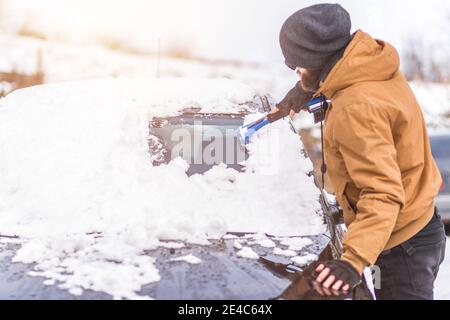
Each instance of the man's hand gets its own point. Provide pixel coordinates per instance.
(337, 275)
(295, 100)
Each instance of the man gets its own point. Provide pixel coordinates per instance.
(377, 153)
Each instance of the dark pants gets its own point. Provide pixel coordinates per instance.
(408, 272)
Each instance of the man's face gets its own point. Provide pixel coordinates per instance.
(309, 79)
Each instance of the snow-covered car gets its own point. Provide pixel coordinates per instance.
(140, 189)
(440, 143)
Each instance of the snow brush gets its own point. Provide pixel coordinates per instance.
(317, 107)
(245, 133)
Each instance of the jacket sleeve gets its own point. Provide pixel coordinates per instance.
(364, 139)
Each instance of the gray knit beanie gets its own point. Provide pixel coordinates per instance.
(311, 36)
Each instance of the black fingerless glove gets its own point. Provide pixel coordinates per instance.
(295, 100)
(344, 271)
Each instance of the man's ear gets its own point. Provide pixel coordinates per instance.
(310, 80)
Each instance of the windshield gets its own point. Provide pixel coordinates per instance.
(202, 140)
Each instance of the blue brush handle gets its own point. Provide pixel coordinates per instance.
(260, 125)
(253, 128)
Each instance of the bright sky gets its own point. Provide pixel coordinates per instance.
(232, 29)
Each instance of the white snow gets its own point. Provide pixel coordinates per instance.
(171, 245)
(248, 253)
(259, 235)
(266, 243)
(259, 239)
(50, 282)
(442, 287)
(191, 259)
(331, 198)
(304, 260)
(286, 253)
(11, 241)
(296, 243)
(230, 237)
(238, 244)
(78, 183)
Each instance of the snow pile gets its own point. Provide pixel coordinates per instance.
(78, 262)
(78, 186)
(238, 244)
(304, 260)
(266, 243)
(286, 253)
(248, 253)
(191, 259)
(295, 244)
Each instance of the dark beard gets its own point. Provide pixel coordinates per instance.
(310, 80)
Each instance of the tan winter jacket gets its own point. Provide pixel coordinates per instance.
(377, 151)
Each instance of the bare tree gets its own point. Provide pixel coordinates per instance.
(428, 62)
(414, 60)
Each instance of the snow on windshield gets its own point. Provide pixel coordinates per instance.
(78, 187)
